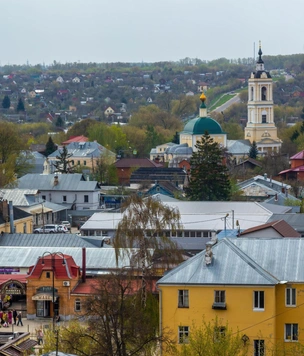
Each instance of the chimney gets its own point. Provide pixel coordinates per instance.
(208, 254)
(11, 217)
(84, 266)
(56, 180)
(4, 210)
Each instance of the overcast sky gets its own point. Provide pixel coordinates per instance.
(41, 31)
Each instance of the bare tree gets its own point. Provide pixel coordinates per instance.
(146, 224)
(117, 324)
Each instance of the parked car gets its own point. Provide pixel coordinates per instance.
(47, 229)
(67, 224)
(63, 229)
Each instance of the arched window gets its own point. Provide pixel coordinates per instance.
(251, 94)
(264, 93)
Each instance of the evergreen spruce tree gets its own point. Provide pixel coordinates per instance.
(50, 147)
(6, 102)
(59, 122)
(62, 164)
(20, 105)
(253, 152)
(209, 175)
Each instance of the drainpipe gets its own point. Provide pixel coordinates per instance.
(83, 265)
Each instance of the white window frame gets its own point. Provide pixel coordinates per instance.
(292, 338)
(258, 307)
(259, 347)
(183, 334)
(291, 294)
(77, 305)
(183, 298)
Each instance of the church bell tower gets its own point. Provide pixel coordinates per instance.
(260, 122)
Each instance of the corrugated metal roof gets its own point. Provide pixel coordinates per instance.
(66, 182)
(197, 216)
(230, 265)
(283, 258)
(294, 220)
(96, 258)
(244, 261)
(43, 240)
(19, 197)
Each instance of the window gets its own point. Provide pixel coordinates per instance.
(219, 296)
(258, 300)
(64, 198)
(77, 305)
(219, 333)
(183, 334)
(47, 275)
(187, 233)
(43, 197)
(259, 347)
(290, 297)
(264, 119)
(24, 228)
(86, 198)
(291, 332)
(251, 93)
(219, 299)
(84, 163)
(183, 298)
(78, 162)
(264, 92)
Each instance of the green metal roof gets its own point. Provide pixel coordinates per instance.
(200, 125)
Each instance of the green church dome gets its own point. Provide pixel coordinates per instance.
(200, 125)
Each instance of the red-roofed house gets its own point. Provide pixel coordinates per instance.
(278, 228)
(75, 139)
(49, 285)
(297, 168)
(125, 167)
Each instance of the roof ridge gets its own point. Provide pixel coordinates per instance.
(264, 273)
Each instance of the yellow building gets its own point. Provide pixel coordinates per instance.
(254, 285)
(14, 220)
(84, 155)
(260, 125)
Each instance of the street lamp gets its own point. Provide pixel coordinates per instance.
(53, 262)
